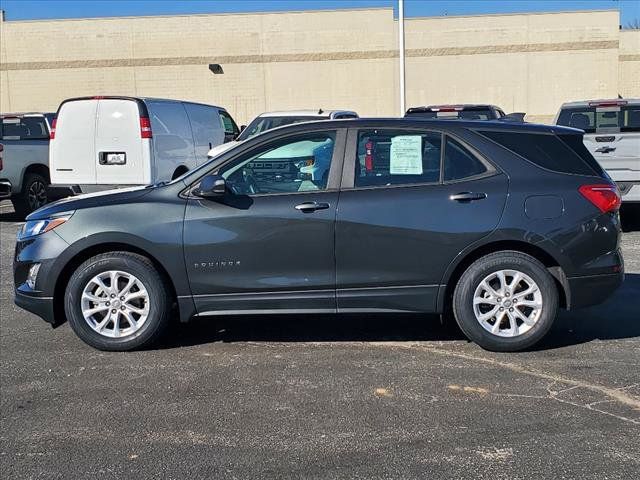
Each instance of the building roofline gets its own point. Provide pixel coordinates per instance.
(321, 10)
(212, 14)
(512, 14)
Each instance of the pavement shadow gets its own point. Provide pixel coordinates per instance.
(618, 318)
(313, 328)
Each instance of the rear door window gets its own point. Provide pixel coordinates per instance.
(543, 149)
(24, 128)
(460, 163)
(602, 119)
(397, 157)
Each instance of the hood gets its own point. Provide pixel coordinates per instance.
(89, 200)
(218, 149)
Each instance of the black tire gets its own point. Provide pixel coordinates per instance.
(33, 195)
(463, 295)
(159, 300)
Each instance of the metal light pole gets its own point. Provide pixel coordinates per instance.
(401, 51)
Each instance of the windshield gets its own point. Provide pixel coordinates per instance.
(262, 124)
(466, 114)
(602, 119)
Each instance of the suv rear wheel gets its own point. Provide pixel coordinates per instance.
(117, 301)
(505, 301)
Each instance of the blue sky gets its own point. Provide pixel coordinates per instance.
(41, 9)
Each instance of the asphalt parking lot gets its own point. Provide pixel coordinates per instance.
(323, 397)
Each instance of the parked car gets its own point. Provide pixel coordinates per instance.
(457, 112)
(268, 120)
(612, 135)
(100, 143)
(24, 167)
(499, 223)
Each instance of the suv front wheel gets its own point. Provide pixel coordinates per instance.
(117, 301)
(505, 301)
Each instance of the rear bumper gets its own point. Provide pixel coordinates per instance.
(594, 289)
(5, 189)
(41, 306)
(630, 191)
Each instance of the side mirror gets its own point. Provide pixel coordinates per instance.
(242, 127)
(211, 186)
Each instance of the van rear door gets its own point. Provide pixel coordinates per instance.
(118, 151)
(72, 152)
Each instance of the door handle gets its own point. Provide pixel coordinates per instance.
(308, 207)
(467, 196)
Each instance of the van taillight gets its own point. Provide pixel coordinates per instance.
(145, 128)
(52, 132)
(604, 196)
(368, 156)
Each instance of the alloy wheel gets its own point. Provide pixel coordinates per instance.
(507, 303)
(115, 304)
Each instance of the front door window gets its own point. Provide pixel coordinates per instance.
(299, 164)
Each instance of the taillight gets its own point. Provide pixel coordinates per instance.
(604, 196)
(52, 132)
(145, 128)
(368, 156)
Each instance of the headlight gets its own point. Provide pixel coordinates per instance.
(35, 227)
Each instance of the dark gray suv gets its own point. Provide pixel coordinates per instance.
(498, 224)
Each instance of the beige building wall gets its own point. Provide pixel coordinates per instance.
(629, 72)
(328, 59)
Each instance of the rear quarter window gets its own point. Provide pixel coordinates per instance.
(24, 128)
(545, 150)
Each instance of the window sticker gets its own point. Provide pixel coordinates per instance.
(406, 155)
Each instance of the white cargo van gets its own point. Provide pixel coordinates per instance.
(612, 135)
(99, 143)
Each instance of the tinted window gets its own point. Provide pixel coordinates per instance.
(459, 162)
(465, 114)
(387, 157)
(228, 124)
(575, 143)
(594, 119)
(24, 128)
(262, 124)
(299, 164)
(545, 150)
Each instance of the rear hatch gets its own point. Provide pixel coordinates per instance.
(612, 135)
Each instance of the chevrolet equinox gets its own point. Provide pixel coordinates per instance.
(497, 224)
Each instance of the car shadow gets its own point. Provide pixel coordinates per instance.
(311, 328)
(618, 318)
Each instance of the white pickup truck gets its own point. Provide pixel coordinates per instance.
(612, 135)
(24, 165)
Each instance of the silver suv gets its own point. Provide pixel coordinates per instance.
(612, 135)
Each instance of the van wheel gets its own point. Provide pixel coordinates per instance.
(33, 196)
(117, 301)
(505, 301)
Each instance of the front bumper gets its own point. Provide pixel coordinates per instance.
(5, 189)
(41, 306)
(594, 289)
